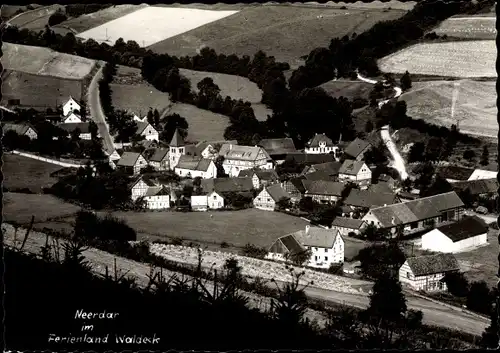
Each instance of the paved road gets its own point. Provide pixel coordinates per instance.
(434, 314)
(97, 113)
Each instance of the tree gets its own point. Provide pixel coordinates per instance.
(489, 338)
(469, 155)
(456, 283)
(172, 122)
(301, 258)
(439, 186)
(376, 155)
(221, 173)
(405, 81)
(93, 129)
(369, 126)
(284, 203)
(156, 118)
(416, 153)
(485, 156)
(479, 298)
(377, 260)
(56, 18)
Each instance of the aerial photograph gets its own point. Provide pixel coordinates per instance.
(268, 175)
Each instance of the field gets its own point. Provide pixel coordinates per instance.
(465, 59)
(285, 32)
(348, 89)
(37, 19)
(22, 172)
(473, 27)
(8, 11)
(475, 106)
(150, 25)
(27, 88)
(43, 61)
(91, 20)
(20, 207)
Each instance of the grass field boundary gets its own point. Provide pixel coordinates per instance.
(48, 160)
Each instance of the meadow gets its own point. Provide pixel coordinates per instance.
(348, 89)
(150, 25)
(44, 61)
(472, 27)
(466, 59)
(35, 20)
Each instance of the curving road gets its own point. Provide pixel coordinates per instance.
(97, 114)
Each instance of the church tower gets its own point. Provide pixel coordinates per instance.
(177, 149)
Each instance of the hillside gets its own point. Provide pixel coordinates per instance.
(37, 19)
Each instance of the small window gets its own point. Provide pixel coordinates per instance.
(326, 258)
(268, 200)
(215, 197)
(315, 258)
(326, 250)
(407, 274)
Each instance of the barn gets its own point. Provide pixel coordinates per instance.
(459, 236)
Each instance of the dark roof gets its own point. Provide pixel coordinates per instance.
(467, 227)
(299, 185)
(345, 222)
(386, 178)
(149, 181)
(142, 125)
(70, 127)
(243, 153)
(454, 172)
(193, 163)
(262, 174)
(321, 187)
(380, 187)
(317, 237)
(309, 159)
(432, 264)
(368, 198)
(314, 142)
(351, 167)
(177, 140)
(278, 146)
(477, 187)
(356, 147)
(277, 192)
(286, 244)
(331, 168)
(221, 185)
(319, 176)
(128, 159)
(159, 155)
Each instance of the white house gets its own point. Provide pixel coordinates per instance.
(210, 149)
(72, 118)
(140, 187)
(238, 158)
(356, 172)
(21, 130)
(136, 118)
(260, 177)
(193, 167)
(149, 132)
(70, 106)
(215, 201)
(426, 273)
(157, 198)
(320, 144)
(159, 159)
(84, 129)
(467, 233)
(131, 162)
(199, 202)
(268, 198)
(326, 246)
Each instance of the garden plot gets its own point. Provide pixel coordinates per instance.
(466, 59)
(44, 61)
(251, 267)
(153, 24)
(474, 27)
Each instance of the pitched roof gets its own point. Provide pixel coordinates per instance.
(356, 147)
(277, 192)
(317, 237)
(416, 210)
(309, 158)
(193, 163)
(147, 144)
(351, 167)
(331, 168)
(262, 174)
(314, 142)
(380, 187)
(431, 264)
(159, 155)
(320, 175)
(278, 146)
(177, 140)
(244, 153)
(200, 146)
(299, 185)
(70, 127)
(386, 178)
(286, 244)
(321, 187)
(221, 185)
(454, 172)
(20, 129)
(477, 187)
(142, 125)
(147, 180)
(368, 198)
(467, 227)
(128, 159)
(349, 223)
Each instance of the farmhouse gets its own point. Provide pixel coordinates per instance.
(268, 198)
(237, 158)
(70, 106)
(467, 233)
(215, 200)
(356, 149)
(320, 143)
(356, 172)
(348, 225)
(211, 149)
(295, 188)
(417, 215)
(326, 245)
(426, 273)
(330, 169)
(486, 188)
(323, 191)
(71, 118)
(140, 187)
(365, 199)
(83, 128)
(278, 148)
(483, 174)
(199, 202)
(453, 174)
(21, 129)
(260, 177)
(131, 162)
(159, 159)
(149, 132)
(225, 185)
(193, 167)
(157, 198)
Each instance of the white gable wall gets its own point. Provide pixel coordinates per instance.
(72, 118)
(325, 257)
(70, 106)
(157, 202)
(215, 201)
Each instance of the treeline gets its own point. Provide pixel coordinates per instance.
(76, 10)
(347, 54)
